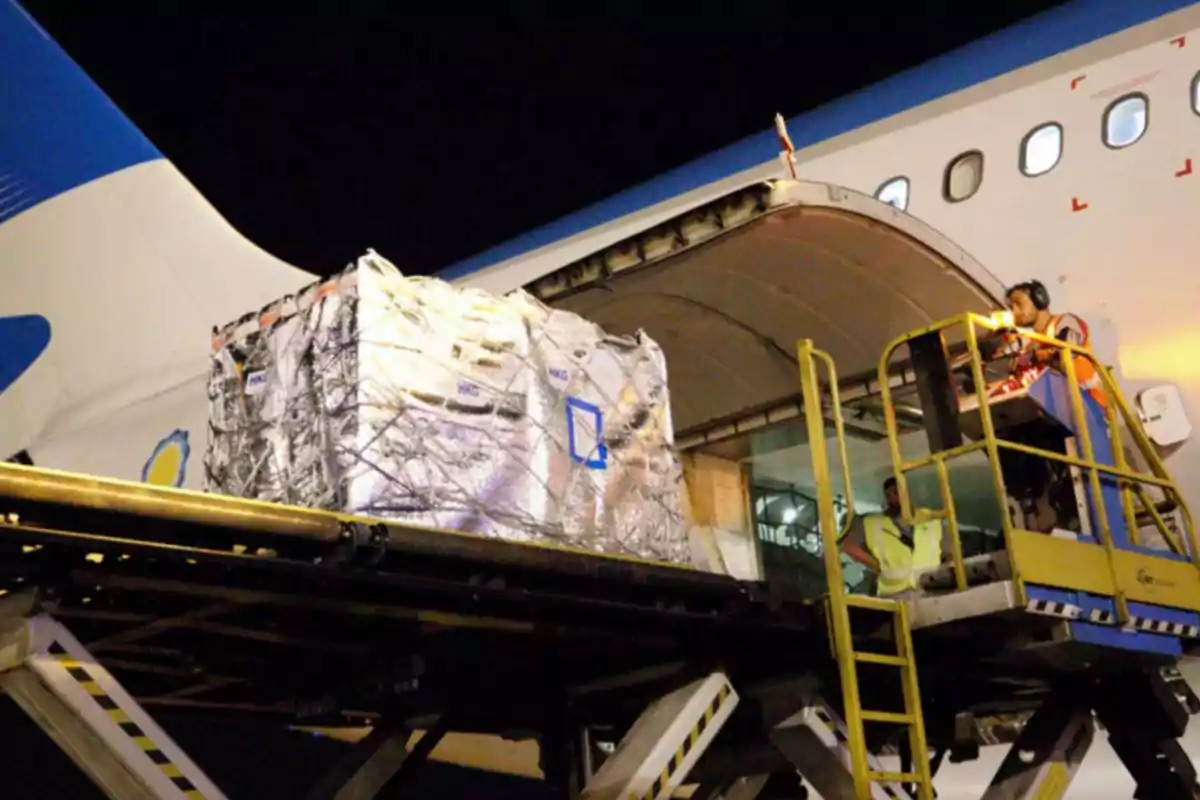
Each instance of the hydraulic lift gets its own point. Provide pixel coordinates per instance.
(79, 705)
(701, 685)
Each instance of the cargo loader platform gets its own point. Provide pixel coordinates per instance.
(355, 623)
(129, 564)
(347, 622)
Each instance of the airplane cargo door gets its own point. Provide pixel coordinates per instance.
(728, 289)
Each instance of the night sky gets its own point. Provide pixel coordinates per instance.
(320, 134)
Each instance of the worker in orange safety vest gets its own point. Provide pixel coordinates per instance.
(1034, 484)
(1030, 306)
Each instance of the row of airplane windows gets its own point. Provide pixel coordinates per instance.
(1124, 123)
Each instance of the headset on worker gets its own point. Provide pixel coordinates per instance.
(1037, 291)
(1039, 295)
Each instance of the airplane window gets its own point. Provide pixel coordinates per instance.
(963, 177)
(894, 192)
(1041, 149)
(1125, 120)
(1196, 93)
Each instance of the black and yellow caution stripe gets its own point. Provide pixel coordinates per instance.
(130, 728)
(689, 743)
(844, 741)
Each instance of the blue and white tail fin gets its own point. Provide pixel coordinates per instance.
(113, 271)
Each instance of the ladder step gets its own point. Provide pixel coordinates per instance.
(894, 777)
(879, 658)
(871, 603)
(887, 716)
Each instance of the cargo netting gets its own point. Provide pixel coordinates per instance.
(411, 400)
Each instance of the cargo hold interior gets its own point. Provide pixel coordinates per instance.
(727, 290)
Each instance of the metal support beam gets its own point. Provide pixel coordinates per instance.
(1047, 753)
(79, 705)
(79, 742)
(665, 742)
(747, 788)
(1144, 719)
(939, 401)
(708, 790)
(560, 757)
(375, 763)
(722, 764)
(160, 626)
(814, 741)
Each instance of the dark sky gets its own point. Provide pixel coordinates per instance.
(319, 134)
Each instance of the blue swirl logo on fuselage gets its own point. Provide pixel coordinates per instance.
(23, 339)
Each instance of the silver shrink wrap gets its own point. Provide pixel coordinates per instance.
(411, 400)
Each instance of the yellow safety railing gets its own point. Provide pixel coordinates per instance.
(1118, 414)
(841, 601)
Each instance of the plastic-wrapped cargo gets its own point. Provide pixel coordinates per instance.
(410, 400)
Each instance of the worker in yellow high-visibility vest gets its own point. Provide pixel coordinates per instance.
(895, 551)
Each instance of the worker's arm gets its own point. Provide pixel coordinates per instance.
(992, 346)
(1070, 331)
(854, 544)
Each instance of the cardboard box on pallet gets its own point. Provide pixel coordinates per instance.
(411, 400)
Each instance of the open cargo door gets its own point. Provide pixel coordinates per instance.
(727, 289)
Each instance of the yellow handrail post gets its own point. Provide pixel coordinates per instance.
(993, 450)
(1157, 468)
(1159, 522)
(1125, 487)
(839, 427)
(839, 611)
(951, 523)
(889, 421)
(1079, 414)
(912, 700)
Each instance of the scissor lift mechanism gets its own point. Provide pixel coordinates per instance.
(79, 705)
(69, 694)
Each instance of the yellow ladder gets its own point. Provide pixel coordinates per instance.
(840, 602)
(840, 605)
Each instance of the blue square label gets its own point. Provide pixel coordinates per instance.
(585, 434)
